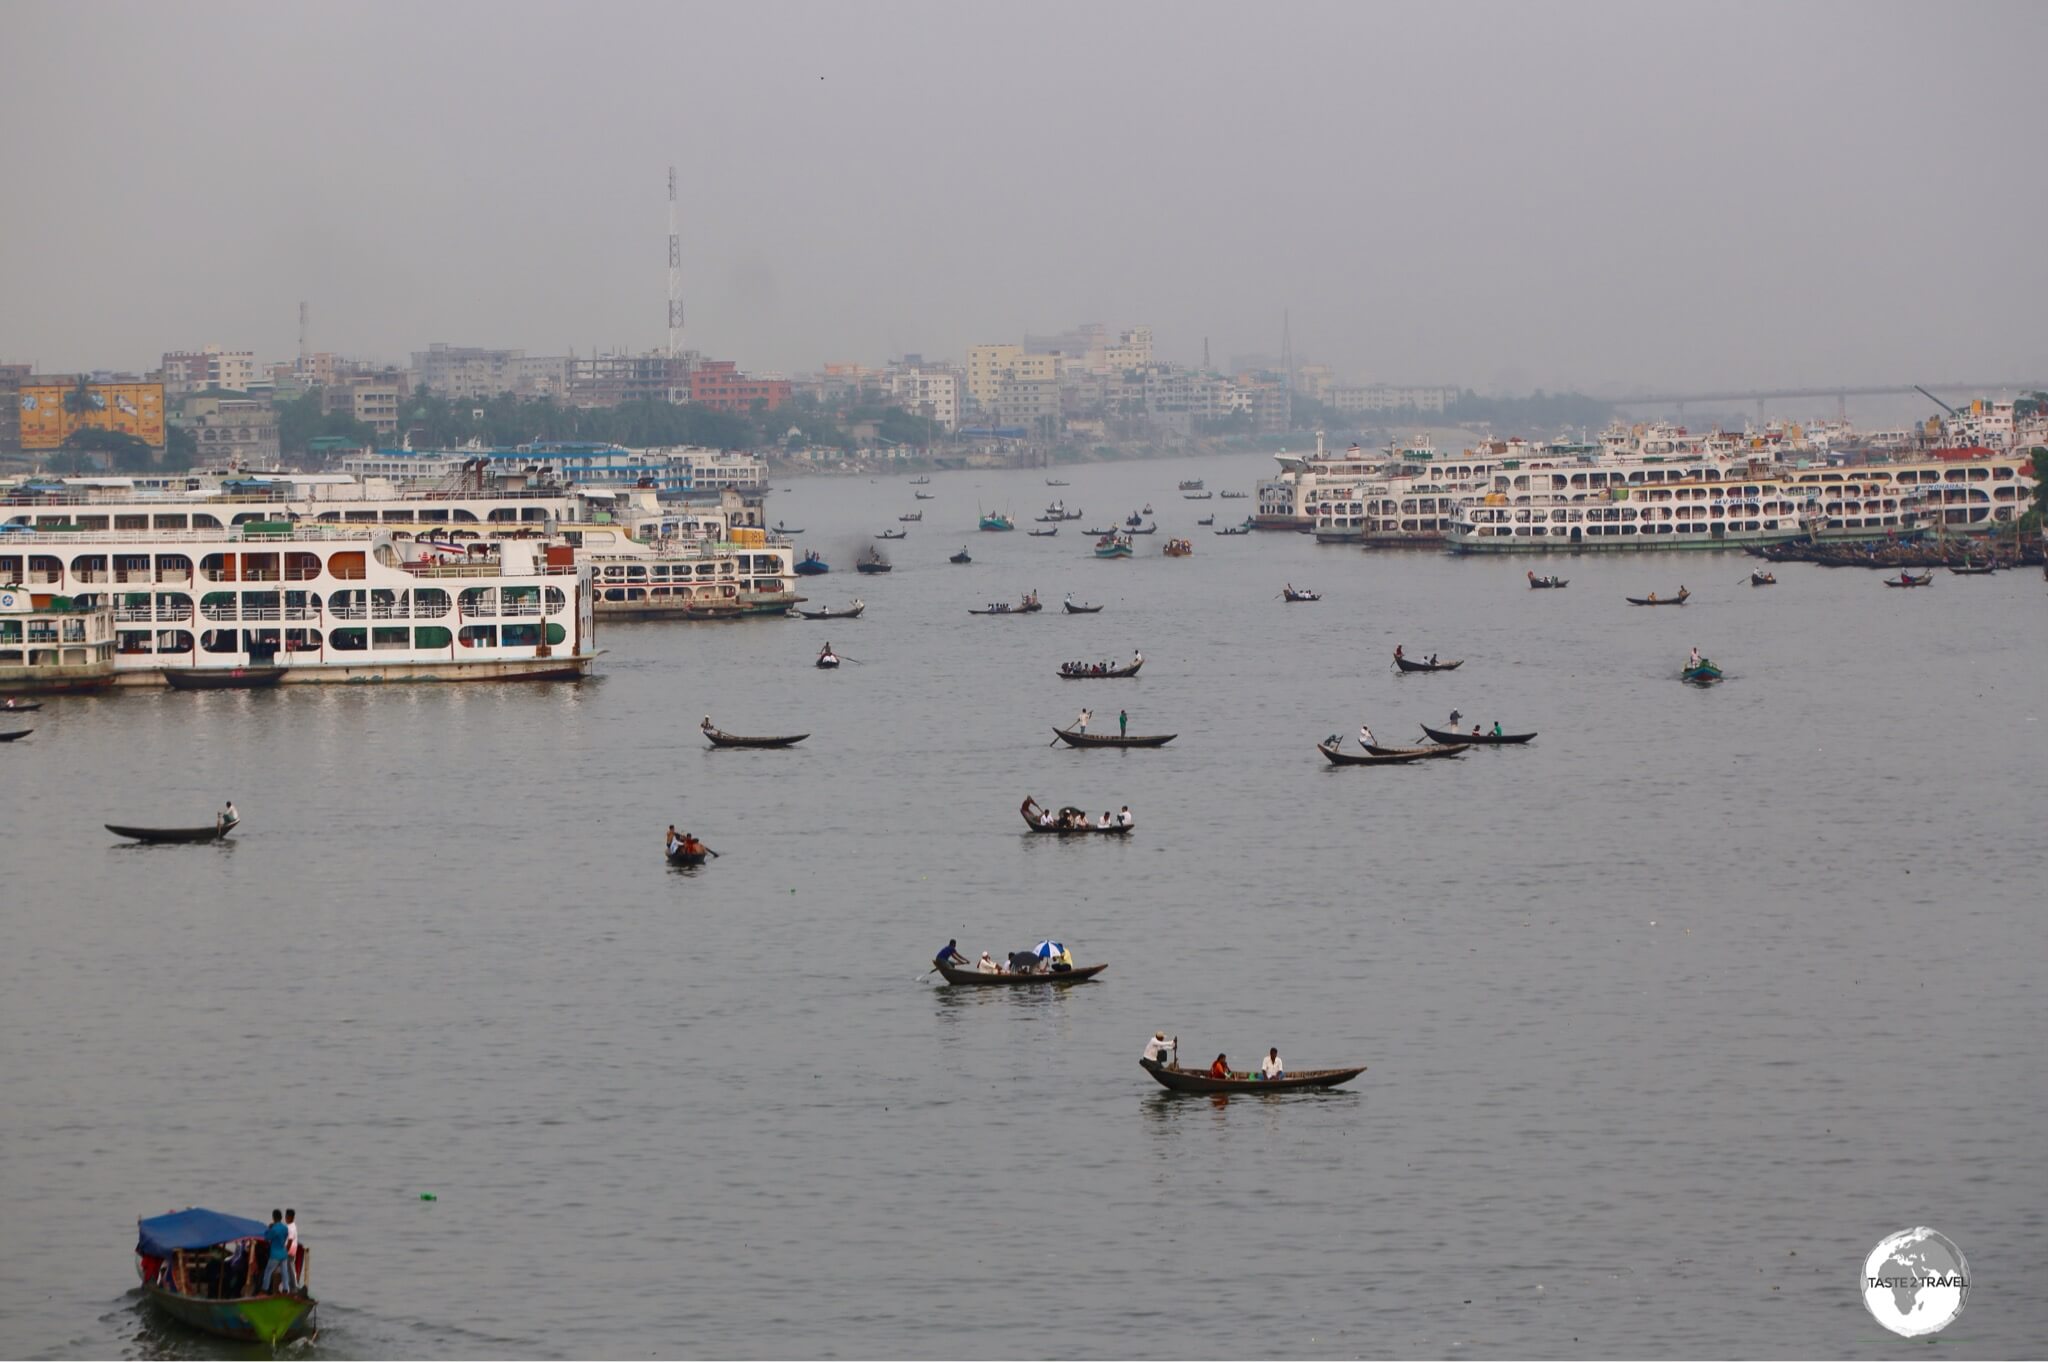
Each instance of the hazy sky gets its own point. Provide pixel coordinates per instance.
(1539, 195)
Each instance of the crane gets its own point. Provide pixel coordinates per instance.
(1935, 400)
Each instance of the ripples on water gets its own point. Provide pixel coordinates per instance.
(1671, 1015)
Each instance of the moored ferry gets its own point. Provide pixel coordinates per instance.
(50, 644)
(327, 603)
(1691, 514)
(665, 570)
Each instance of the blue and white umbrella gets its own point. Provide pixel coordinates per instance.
(1046, 950)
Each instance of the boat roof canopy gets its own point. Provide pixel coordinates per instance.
(193, 1228)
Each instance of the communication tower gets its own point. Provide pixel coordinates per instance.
(675, 285)
(303, 309)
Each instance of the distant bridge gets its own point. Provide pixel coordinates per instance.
(1841, 394)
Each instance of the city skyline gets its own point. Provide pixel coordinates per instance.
(1584, 197)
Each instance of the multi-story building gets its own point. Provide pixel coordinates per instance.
(719, 385)
(231, 431)
(1266, 399)
(717, 469)
(190, 371)
(928, 392)
(1355, 398)
(1132, 350)
(11, 378)
(607, 380)
(371, 398)
(1032, 403)
(990, 366)
(465, 373)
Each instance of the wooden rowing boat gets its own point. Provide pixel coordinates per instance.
(852, 612)
(1073, 609)
(212, 833)
(1908, 579)
(722, 739)
(21, 707)
(1550, 583)
(1111, 675)
(1293, 596)
(1410, 665)
(1475, 739)
(978, 979)
(1076, 738)
(682, 857)
(223, 678)
(1679, 599)
(1200, 1080)
(1706, 674)
(16, 735)
(1383, 756)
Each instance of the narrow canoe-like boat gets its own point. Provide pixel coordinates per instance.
(719, 738)
(960, 557)
(912, 518)
(1551, 583)
(21, 707)
(868, 567)
(827, 661)
(1383, 756)
(1706, 674)
(1908, 579)
(206, 834)
(169, 1247)
(1200, 1080)
(682, 857)
(973, 977)
(1408, 664)
(852, 612)
(1149, 529)
(1054, 482)
(1027, 606)
(1089, 830)
(893, 534)
(1196, 496)
(1975, 569)
(1043, 534)
(920, 482)
(1206, 520)
(924, 496)
(1679, 599)
(15, 735)
(1238, 530)
(812, 566)
(1235, 496)
(1763, 579)
(1076, 738)
(1475, 739)
(223, 678)
(1293, 596)
(1073, 609)
(1113, 674)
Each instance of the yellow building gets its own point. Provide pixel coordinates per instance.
(133, 408)
(990, 366)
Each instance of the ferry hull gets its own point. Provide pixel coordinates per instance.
(1652, 544)
(558, 668)
(66, 680)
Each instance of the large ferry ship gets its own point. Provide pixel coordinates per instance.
(1703, 513)
(324, 603)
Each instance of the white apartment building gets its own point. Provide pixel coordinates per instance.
(990, 366)
(188, 371)
(1131, 350)
(933, 393)
(1389, 397)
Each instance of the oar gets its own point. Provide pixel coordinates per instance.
(709, 852)
(844, 658)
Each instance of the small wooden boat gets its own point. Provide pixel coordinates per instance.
(960, 557)
(1762, 578)
(678, 856)
(1206, 520)
(1080, 830)
(1234, 496)
(1551, 583)
(873, 561)
(852, 612)
(1200, 1080)
(1975, 569)
(1114, 546)
(21, 706)
(1292, 596)
(973, 977)
(1475, 739)
(1383, 756)
(1073, 609)
(920, 482)
(1196, 496)
(719, 738)
(1043, 534)
(15, 735)
(1908, 579)
(1104, 533)
(1178, 548)
(924, 496)
(173, 1251)
(997, 521)
(1679, 599)
(212, 833)
(1705, 674)
(1111, 675)
(1054, 482)
(223, 678)
(1238, 529)
(1075, 738)
(1153, 528)
(781, 528)
(812, 566)
(1409, 664)
(912, 518)
(1028, 606)
(827, 661)
(1191, 485)
(893, 534)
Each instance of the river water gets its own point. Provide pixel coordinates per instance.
(1670, 1016)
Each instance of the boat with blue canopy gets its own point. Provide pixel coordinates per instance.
(205, 1269)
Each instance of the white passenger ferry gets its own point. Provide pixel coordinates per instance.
(1716, 513)
(684, 567)
(328, 603)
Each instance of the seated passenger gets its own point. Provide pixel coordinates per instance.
(1273, 1068)
(1221, 1068)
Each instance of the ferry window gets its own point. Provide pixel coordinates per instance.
(480, 600)
(430, 603)
(348, 640)
(556, 600)
(221, 641)
(389, 637)
(432, 636)
(521, 635)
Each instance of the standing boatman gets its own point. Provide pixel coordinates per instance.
(1123, 723)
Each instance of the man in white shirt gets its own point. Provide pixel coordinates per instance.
(1081, 720)
(1160, 1050)
(987, 964)
(1137, 658)
(1364, 735)
(1273, 1068)
(1106, 824)
(1123, 816)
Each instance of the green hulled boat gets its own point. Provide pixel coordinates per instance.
(195, 1266)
